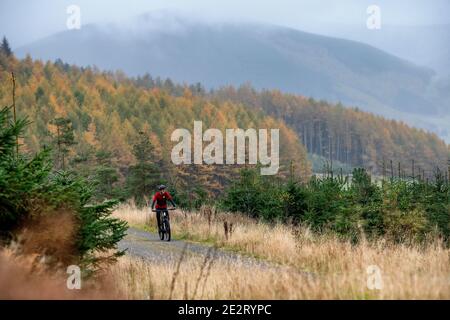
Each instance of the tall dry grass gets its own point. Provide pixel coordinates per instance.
(340, 269)
(25, 275)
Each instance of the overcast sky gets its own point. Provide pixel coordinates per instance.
(23, 21)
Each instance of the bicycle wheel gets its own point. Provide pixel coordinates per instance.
(161, 233)
(167, 229)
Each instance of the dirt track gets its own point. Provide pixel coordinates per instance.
(147, 245)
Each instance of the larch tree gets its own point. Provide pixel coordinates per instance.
(144, 176)
(5, 48)
(63, 139)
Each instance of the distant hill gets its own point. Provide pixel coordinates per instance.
(268, 56)
(425, 45)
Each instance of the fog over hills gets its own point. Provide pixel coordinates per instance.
(187, 50)
(426, 45)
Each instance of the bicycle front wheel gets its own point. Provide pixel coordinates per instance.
(161, 230)
(167, 233)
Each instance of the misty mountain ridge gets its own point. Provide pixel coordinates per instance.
(187, 50)
(425, 45)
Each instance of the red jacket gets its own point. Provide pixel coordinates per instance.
(161, 199)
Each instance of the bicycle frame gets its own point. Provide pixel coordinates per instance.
(164, 228)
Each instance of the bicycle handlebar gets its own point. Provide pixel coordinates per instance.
(154, 210)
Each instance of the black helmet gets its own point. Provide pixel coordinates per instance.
(162, 187)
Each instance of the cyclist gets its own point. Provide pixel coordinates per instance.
(160, 199)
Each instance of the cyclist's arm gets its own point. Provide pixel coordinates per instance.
(169, 197)
(153, 202)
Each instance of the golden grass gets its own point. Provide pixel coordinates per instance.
(339, 268)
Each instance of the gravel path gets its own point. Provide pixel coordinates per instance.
(147, 246)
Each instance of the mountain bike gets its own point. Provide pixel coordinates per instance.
(164, 229)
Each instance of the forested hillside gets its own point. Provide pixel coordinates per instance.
(177, 46)
(348, 135)
(107, 125)
(101, 122)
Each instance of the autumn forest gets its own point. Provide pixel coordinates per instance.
(108, 112)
